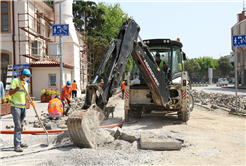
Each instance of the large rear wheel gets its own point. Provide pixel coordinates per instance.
(191, 99)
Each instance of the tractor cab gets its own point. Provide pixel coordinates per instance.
(171, 54)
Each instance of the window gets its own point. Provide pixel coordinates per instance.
(238, 57)
(4, 65)
(38, 25)
(177, 60)
(52, 80)
(4, 16)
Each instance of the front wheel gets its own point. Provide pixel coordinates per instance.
(136, 112)
(184, 116)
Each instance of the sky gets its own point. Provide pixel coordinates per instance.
(204, 27)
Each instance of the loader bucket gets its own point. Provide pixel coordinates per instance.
(82, 126)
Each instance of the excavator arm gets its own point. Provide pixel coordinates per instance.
(121, 49)
(82, 125)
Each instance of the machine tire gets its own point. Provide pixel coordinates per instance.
(184, 116)
(136, 112)
(146, 110)
(191, 99)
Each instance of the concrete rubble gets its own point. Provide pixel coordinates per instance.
(221, 100)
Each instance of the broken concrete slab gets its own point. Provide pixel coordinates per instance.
(115, 132)
(130, 135)
(103, 136)
(50, 126)
(153, 141)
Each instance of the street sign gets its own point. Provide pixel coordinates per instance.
(13, 73)
(21, 66)
(60, 30)
(239, 41)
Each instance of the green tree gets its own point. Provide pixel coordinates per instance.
(206, 62)
(87, 17)
(97, 46)
(50, 3)
(224, 65)
(113, 16)
(191, 66)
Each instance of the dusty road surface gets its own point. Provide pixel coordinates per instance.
(211, 138)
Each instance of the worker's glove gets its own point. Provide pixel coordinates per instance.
(66, 101)
(32, 103)
(70, 100)
(21, 84)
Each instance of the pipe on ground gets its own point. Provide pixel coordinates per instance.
(55, 131)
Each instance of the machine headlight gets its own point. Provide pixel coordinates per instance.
(168, 41)
(164, 41)
(147, 41)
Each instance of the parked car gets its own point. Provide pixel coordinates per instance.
(222, 82)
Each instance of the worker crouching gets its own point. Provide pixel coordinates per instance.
(65, 97)
(55, 107)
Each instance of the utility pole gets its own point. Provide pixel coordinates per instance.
(60, 45)
(61, 63)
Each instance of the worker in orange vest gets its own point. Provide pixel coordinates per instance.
(65, 96)
(55, 107)
(123, 88)
(74, 89)
(101, 83)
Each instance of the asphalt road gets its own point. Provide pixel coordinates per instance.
(226, 90)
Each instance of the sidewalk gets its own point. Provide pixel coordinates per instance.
(30, 116)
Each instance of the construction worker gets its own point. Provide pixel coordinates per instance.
(160, 62)
(74, 89)
(18, 106)
(101, 83)
(65, 96)
(2, 92)
(55, 107)
(123, 83)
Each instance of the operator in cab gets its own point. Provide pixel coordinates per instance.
(160, 62)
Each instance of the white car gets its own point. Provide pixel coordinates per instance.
(222, 82)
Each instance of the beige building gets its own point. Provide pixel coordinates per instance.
(26, 34)
(240, 29)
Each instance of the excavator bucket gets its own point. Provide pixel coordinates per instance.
(82, 125)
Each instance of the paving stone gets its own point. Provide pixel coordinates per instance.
(8, 126)
(214, 106)
(155, 141)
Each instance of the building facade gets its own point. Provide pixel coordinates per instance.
(26, 35)
(240, 29)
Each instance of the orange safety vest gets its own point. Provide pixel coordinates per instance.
(67, 92)
(101, 84)
(123, 85)
(55, 107)
(74, 86)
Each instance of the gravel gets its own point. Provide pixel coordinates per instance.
(78, 156)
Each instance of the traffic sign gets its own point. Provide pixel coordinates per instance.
(20, 66)
(239, 40)
(60, 30)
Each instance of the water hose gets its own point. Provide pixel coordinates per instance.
(55, 131)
